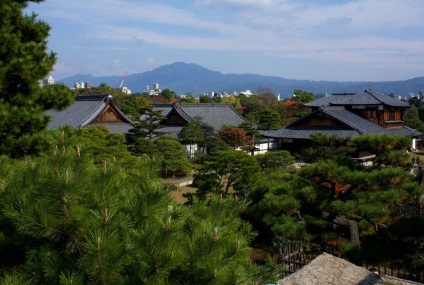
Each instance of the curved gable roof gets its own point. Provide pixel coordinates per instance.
(362, 98)
(373, 98)
(84, 111)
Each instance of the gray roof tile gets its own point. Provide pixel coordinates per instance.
(356, 126)
(362, 98)
(361, 125)
(84, 112)
(215, 115)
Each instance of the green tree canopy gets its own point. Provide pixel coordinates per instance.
(251, 131)
(174, 162)
(325, 147)
(389, 149)
(191, 133)
(147, 126)
(412, 119)
(269, 119)
(293, 107)
(281, 160)
(104, 145)
(65, 220)
(168, 95)
(205, 99)
(335, 203)
(25, 61)
(229, 170)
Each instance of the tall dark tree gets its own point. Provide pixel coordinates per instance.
(325, 147)
(25, 61)
(251, 131)
(174, 156)
(147, 126)
(268, 119)
(168, 95)
(191, 134)
(412, 119)
(230, 169)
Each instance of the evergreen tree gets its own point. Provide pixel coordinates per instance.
(25, 61)
(251, 131)
(281, 160)
(147, 125)
(145, 128)
(69, 221)
(336, 203)
(268, 119)
(325, 147)
(191, 134)
(390, 150)
(168, 95)
(230, 169)
(174, 158)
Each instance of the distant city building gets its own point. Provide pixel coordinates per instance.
(126, 90)
(155, 91)
(82, 85)
(48, 80)
(79, 85)
(247, 93)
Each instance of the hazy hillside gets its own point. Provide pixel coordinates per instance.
(192, 78)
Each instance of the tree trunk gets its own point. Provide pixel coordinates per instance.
(353, 228)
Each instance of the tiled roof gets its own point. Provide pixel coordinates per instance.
(361, 125)
(362, 98)
(170, 131)
(165, 108)
(328, 100)
(85, 111)
(305, 133)
(116, 128)
(403, 131)
(356, 125)
(215, 115)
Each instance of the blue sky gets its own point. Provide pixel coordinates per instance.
(361, 40)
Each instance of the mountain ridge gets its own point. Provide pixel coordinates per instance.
(192, 78)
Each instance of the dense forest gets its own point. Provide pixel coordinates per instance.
(88, 206)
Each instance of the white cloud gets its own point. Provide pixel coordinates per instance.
(375, 32)
(263, 3)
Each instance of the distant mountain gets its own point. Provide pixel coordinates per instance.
(191, 78)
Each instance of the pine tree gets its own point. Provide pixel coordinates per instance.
(68, 220)
(25, 61)
(147, 126)
(191, 134)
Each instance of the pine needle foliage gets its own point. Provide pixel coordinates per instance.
(25, 61)
(72, 221)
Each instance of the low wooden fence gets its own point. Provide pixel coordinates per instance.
(396, 271)
(292, 256)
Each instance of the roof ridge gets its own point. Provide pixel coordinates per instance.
(373, 94)
(90, 118)
(179, 109)
(350, 124)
